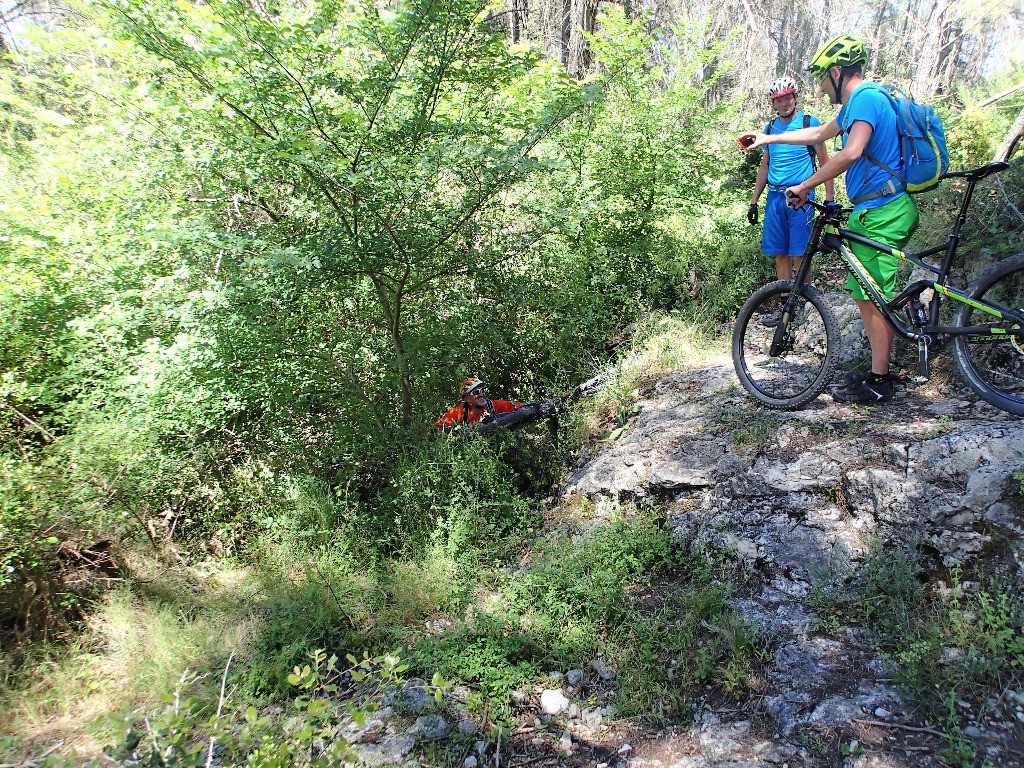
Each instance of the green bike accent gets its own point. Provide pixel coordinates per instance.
(860, 274)
(964, 300)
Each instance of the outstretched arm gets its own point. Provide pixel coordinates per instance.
(814, 134)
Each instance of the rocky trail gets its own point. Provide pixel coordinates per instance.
(788, 497)
(793, 495)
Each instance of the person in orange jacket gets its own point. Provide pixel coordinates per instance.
(474, 405)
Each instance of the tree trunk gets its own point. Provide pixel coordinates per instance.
(391, 309)
(565, 30)
(518, 11)
(1015, 131)
(582, 19)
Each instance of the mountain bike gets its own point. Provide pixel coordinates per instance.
(787, 366)
(543, 407)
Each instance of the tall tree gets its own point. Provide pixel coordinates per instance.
(368, 142)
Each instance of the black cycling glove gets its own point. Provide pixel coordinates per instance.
(752, 214)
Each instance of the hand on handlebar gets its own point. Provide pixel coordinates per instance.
(796, 197)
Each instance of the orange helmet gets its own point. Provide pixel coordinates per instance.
(471, 385)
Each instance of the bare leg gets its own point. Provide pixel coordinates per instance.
(880, 336)
(783, 268)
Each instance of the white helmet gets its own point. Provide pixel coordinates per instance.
(782, 87)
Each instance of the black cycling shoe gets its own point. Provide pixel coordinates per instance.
(870, 390)
(853, 379)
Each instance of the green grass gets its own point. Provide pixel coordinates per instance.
(663, 343)
(594, 594)
(135, 648)
(687, 639)
(750, 430)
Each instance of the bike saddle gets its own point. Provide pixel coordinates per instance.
(976, 174)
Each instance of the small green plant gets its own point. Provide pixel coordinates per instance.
(692, 639)
(747, 431)
(965, 643)
(960, 751)
(850, 749)
(814, 742)
(193, 730)
(888, 585)
(942, 426)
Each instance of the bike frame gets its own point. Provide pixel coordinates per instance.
(828, 237)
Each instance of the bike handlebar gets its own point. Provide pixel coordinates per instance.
(831, 208)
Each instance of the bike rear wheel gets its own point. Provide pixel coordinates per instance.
(993, 364)
(808, 356)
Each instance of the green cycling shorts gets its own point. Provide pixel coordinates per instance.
(892, 224)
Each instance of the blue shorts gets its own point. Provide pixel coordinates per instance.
(786, 231)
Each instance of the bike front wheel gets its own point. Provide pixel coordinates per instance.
(807, 352)
(992, 363)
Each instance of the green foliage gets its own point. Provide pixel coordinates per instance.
(574, 591)
(728, 263)
(297, 619)
(885, 591)
(24, 543)
(583, 581)
(690, 640)
(754, 431)
(454, 494)
(966, 648)
(589, 594)
(490, 652)
(972, 140)
(35, 602)
(963, 644)
(192, 730)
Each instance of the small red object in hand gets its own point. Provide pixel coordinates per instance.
(745, 141)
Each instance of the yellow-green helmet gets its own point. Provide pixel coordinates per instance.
(841, 51)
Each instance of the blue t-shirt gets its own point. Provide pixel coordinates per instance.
(869, 104)
(789, 164)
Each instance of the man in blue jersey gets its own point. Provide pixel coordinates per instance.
(786, 230)
(882, 210)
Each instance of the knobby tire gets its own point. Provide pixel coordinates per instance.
(796, 377)
(993, 365)
(511, 420)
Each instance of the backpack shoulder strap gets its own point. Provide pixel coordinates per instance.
(892, 102)
(768, 147)
(810, 147)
